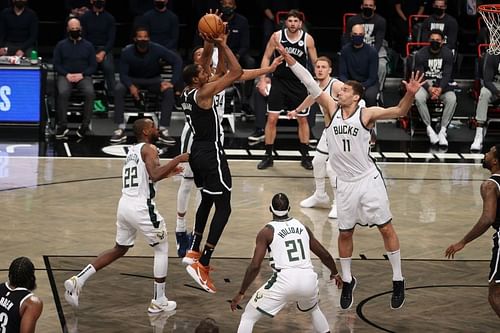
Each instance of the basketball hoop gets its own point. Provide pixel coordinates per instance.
(491, 16)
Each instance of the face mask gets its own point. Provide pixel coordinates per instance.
(357, 40)
(75, 34)
(19, 4)
(160, 5)
(142, 44)
(438, 11)
(435, 45)
(99, 4)
(367, 12)
(227, 11)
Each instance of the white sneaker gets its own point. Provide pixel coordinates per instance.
(478, 140)
(316, 201)
(442, 138)
(161, 305)
(333, 211)
(73, 289)
(433, 137)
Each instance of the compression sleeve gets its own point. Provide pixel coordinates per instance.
(306, 78)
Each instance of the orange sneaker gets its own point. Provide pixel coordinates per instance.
(191, 257)
(199, 273)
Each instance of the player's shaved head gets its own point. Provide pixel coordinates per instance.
(140, 125)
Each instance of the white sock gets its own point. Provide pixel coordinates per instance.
(87, 272)
(181, 224)
(159, 291)
(395, 259)
(345, 264)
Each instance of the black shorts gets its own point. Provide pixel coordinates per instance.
(210, 169)
(286, 95)
(494, 263)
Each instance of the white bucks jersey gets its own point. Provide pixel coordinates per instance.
(290, 245)
(328, 89)
(220, 105)
(349, 145)
(135, 177)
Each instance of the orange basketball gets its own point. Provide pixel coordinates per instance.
(211, 25)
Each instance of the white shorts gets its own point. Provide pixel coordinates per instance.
(133, 215)
(363, 201)
(288, 285)
(186, 143)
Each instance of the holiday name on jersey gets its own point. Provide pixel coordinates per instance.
(289, 230)
(345, 129)
(6, 303)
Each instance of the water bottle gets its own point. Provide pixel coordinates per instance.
(34, 57)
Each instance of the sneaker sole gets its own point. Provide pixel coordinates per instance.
(62, 136)
(194, 276)
(188, 261)
(159, 310)
(118, 141)
(253, 138)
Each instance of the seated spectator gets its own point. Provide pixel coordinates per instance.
(140, 68)
(163, 25)
(18, 29)
(359, 62)
(76, 8)
(489, 93)
(99, 29)
(404, 9)
(441, 21)
(74, 62)
(436, 61)
(374, 25)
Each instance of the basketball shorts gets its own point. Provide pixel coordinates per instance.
(210, 169)
(363, 201)
(286, 95)
(139, 215)
(186, 143)
(288, 285)
(495, 258)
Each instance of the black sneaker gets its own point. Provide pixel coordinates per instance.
(258, 135)
(82, 131)
(265, 163)
(61, 132)
(398, 294)
(118, 136)
(165, 138)
(346, 298)
(306, 163)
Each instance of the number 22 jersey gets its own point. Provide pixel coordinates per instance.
(135, 177)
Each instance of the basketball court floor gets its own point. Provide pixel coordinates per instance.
(60, 212)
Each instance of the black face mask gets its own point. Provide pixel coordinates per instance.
(142, 44)
(75, 34)
(227, 11)
(99, 4)
(19, 4)
(357, 40)
(160, 5)
(435, 45)
(367, 12)
(438, 11)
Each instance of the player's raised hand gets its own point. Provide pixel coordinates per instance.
(415, 82)
(338, 280)
(286, 56)
(276, 62)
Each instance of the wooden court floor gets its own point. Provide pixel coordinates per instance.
(61, 212)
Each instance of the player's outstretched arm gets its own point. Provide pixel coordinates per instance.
(250, 74)
(156, 171)
(326, 258)
(489, 193)
(264, 238)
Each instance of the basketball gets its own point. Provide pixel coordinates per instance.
(211, 25)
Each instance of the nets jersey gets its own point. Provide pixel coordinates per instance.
(297, 49)
(135, 177)
(204, 123)
(10, 303)
(349, 145)
(496, 179)
(290, 245)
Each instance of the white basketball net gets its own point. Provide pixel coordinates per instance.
(491, 16)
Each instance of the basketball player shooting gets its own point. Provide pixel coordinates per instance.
(361, 194)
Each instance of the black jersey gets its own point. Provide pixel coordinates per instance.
(297, 49)
(203, 122)
(10, 303)
(496, 225)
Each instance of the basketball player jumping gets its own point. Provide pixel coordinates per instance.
(490, 192)
(289, 243)
(361, 194)
(137, 212)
